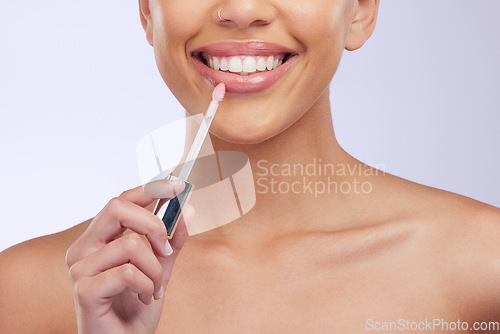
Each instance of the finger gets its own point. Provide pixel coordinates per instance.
(119, 215)
(103, 287)
(163, 188)
(182, 229)
(177, 242)
(146, 194)
(128, 249)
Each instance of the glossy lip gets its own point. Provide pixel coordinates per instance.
(251, 83)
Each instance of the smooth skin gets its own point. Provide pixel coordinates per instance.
(295, 263)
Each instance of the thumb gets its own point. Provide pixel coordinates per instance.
(146, 194)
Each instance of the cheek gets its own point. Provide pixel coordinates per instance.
(322, 29)
(179, 19)
(321, 26)
(171, 35)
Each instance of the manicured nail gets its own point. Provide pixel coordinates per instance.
(164, 188)
(176, 182)
(178, 185)
(168, 248)
(156, 294)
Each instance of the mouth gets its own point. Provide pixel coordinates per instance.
(243, 64)
(246, 67)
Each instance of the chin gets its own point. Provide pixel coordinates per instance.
(244, 130)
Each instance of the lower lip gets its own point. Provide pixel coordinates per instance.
(251, 83)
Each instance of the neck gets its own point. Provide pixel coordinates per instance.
(296, 179)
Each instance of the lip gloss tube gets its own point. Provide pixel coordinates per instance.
(170, 213)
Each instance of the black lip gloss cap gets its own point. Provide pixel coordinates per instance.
(169, 211)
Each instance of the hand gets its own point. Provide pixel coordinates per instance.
(118, 280)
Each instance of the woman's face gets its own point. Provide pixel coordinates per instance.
(190, 41)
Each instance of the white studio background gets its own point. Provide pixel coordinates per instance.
(79, 88)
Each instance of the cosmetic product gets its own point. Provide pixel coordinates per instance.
(169, 211)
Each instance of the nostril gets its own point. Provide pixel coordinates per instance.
(246, 14)
(260, 22)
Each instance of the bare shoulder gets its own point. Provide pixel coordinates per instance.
(474, 253)
(35, 286)
(460, 238)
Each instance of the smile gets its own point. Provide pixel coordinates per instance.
(246, 67)
(243, 65)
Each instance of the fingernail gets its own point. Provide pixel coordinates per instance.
(160, 294)
(164, 188)
(152, 299)
(176, 182)
(178, 185)
(168, 248)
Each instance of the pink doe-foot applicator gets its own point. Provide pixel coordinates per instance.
(170, 213)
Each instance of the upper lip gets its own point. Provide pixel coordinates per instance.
(248, 48)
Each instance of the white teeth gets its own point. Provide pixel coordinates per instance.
(244, 65)
(224, 65)
(235, 65)
(250, 65)
(216, 61)
(269, 63)
(275, 64)
(261, 64)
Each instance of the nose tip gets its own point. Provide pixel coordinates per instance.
(245, 14)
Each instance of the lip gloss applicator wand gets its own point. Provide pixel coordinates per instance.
(170, 213)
